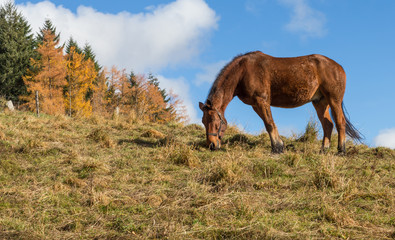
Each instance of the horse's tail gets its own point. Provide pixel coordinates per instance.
(350, 129)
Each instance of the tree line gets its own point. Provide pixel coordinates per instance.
(70, 80)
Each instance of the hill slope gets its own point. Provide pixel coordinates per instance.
(108, 179)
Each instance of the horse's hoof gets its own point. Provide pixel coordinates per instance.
(278, 148)
(341, 153)
(324, 151)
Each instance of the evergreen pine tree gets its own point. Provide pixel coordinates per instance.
(134, 86)
(16, 49)
(89, 54)
(48, 26)
(132, 79)
(73, 45)
(155, 81)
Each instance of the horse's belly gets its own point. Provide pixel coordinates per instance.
(295, 98)
(287, 104)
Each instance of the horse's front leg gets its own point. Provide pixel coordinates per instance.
(262, 108)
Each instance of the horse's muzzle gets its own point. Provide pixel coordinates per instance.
(213, 147)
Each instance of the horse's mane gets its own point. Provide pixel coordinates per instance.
(228, 67)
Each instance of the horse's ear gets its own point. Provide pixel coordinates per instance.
(201, 106)
(208, 103)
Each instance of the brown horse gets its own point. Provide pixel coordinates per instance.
(262, 81)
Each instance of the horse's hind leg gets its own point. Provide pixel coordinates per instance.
(322, 108)
(263, 110)
(338, 115)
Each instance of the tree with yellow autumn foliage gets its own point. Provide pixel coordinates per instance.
(100, 91)
(75, 84)
(143, 96)
(116, 89)
(81, 74)
(176, 108)
(48, 76)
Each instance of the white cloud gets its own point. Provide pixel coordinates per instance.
(164, 35)
(2, 2)
(180, 87)
(305, 20)
(386, 138)
(209, 73)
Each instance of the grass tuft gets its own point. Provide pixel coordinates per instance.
(102, 137)
(181, 155)
(325, 175)
(311, 132)
(239, 138)
(152, 133)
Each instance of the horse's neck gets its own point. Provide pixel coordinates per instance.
(223, 95)
(225, 85)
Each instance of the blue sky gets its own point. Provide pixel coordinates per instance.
(186, 43)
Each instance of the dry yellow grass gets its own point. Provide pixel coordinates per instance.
(97, 178)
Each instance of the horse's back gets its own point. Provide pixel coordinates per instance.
(309, 68)
(294, 81)
(317, 59)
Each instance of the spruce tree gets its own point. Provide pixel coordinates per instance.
(155, 81)
(48, 26)
(16, 49)
(134, 85)
(132, 79)
(89, 54)
(73, 44)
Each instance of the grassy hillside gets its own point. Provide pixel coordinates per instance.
(63, 178)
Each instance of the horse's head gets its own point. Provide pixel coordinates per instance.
(215, 125)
